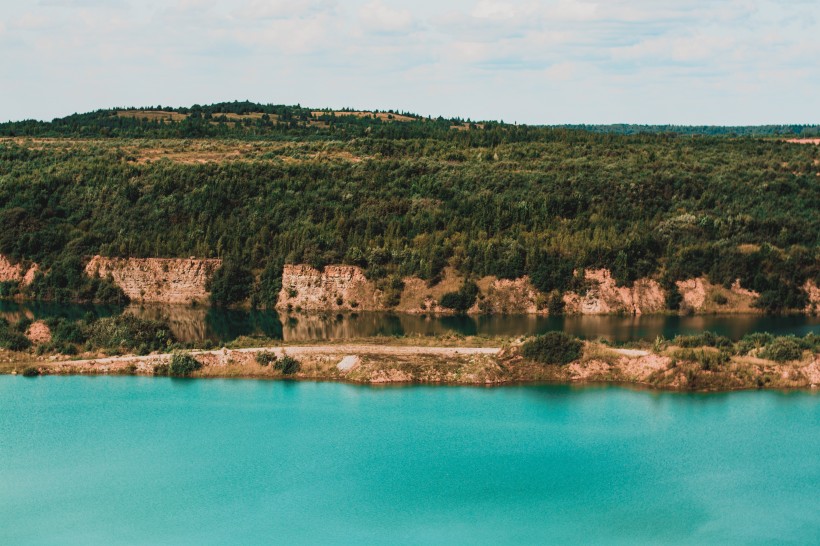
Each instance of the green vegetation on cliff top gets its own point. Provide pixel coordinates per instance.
(270, 185)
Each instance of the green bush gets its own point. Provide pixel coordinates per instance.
(706, 339)
(673, 298)
(266, 292)
(11, 338)
(720, 299)
(783, 349)
(553, 348)
(287, 365)
(31, 371)
(708, 360)
(266, 358)
(462, 300)
(128, 332)
(753, 341)
(66, 280)
(183, 365)
(9, 289)
(555, 305)
(232, 284)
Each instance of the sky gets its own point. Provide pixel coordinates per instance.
(693, 62)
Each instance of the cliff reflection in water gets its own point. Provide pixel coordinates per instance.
(221, 325)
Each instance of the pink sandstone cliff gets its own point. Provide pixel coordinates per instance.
(336, 288)
(604, 297)
(157, 280)
(16, 272)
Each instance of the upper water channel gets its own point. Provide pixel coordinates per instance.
(197, 324)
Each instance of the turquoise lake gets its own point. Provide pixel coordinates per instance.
(128, 460)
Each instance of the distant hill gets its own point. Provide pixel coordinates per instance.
(253, 121)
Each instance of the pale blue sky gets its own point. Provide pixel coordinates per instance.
(548, 61)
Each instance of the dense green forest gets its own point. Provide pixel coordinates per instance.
(408, 198)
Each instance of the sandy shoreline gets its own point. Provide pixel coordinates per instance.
(381, 364)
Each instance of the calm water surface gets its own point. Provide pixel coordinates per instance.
(198, 324)
(124, 460)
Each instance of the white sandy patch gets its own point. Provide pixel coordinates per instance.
(348, 363)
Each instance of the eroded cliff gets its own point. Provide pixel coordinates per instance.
(157, 280)
(10, 272)
(336, 288)
(603, 296)
(346, 288)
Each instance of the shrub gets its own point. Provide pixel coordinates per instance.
(287, 365)
(127, 332)
(266, 358)
(66, 331)
(11, 338)
(553, 348)
(555, 305)
(783, 349)
(708, 360)
(230, 284)
(706, 339)
(183, 365)
(266, 291)
(9, 289)
(31, 371)
(753, 341)
(462, 300)
(673, 298)
(720, 299)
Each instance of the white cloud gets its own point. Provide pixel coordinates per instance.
(379, 18)
(602, 60)
(284, 9)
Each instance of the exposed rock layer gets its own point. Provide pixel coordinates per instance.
(336, 288)
(16, 272)
(343, 288)
(157, 280)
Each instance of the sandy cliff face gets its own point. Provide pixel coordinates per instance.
(509, 297)
(814, 297)
(15, 272)
(336, 288)
(157, 280)
(701, 296)
(418, 298)
(345, 288)
(604, 297)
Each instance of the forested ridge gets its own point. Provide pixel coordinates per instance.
(406, 198)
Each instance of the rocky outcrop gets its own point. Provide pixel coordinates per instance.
(419, 298)
(701, 296)
(157, 280)
(509, 297)
(345, 288)
(336, 288)
(16, 272)
(813, 292)
(603, 296)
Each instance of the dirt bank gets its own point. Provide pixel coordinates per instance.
(378, 364)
